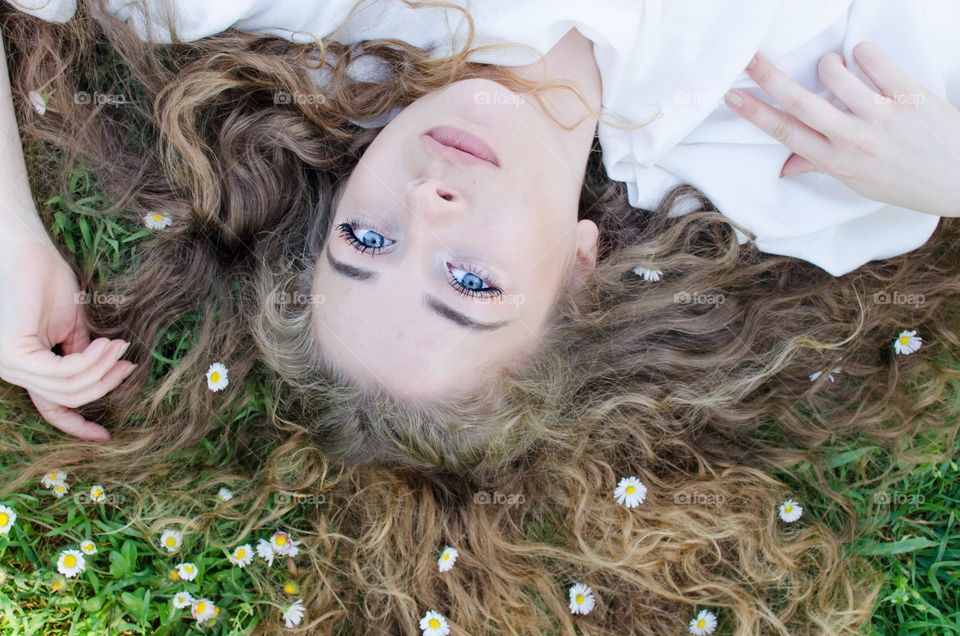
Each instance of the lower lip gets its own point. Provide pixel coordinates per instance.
(463, 144)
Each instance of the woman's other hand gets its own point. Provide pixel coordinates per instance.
(41, 306)
(900, 146)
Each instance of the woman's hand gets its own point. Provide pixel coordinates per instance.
(900, 146)
(40, 307)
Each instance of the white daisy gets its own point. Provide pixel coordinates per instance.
(52, 479)
(630, 492)
(224, 494)
(447, 558)
(7, 518)
(241, 556)
(71, 563)
(907, 342)
(434, 624)
(294, 614)
(790, 510)
(97, 493)
(59, 490)
(88, 547)
(157, 221)
(284, 545)
(171, 540)
(182, 599)
(581, 599)
(265, 551)
(187, 571)
(816, 374)
(649, 275)
(38, 101)
(203, 609)
(704, 623)
(217, 377)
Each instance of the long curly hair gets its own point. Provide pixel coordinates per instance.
(698, 384)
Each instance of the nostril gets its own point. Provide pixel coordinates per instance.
(446, 196)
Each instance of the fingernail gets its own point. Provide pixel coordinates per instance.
(733, 99)
(752, 62)
(124, 350)
(129, 371)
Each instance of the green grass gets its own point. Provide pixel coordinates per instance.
(907, 514)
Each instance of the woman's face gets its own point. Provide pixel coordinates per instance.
(441, 263)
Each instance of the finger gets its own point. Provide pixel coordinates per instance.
(805, 105)
(783, 127)
(78, 339)
(69, 386)
(846, 86)
(68, 421)
(42, 361)
(796, 164)
(95, 391)
(888, 77)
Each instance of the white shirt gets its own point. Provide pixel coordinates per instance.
(668, 63)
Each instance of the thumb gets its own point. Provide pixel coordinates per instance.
(796, 164)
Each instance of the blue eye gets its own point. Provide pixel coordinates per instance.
(363, 239)
(470, 284)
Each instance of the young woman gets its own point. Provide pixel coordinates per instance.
(427, 254)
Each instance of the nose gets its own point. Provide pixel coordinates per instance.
(430, 198)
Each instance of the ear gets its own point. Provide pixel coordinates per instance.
(588, 237)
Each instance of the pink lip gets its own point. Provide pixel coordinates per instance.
(459, 145)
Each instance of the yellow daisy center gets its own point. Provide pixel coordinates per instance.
(55, 586)
(701, 623)
(52, 476)
(290, 588)
(97, 492)
(446, 556)
(188, 568)
(157, 217)
(631, 490)
(434, 623)
(215, 377)
(281, 540)
(201, 607)
(904, 340)
(580, 598)
(788, 509)
(171, 542)
(69, 560)
(4, 518)
(241, 553)
(58, 488)
(174, 575)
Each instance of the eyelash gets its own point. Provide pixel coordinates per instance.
(492, 289)
(346, 231)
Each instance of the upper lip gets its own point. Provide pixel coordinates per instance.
(463, 146)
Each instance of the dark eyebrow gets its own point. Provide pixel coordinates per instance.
(349, 270)
(463, 320)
